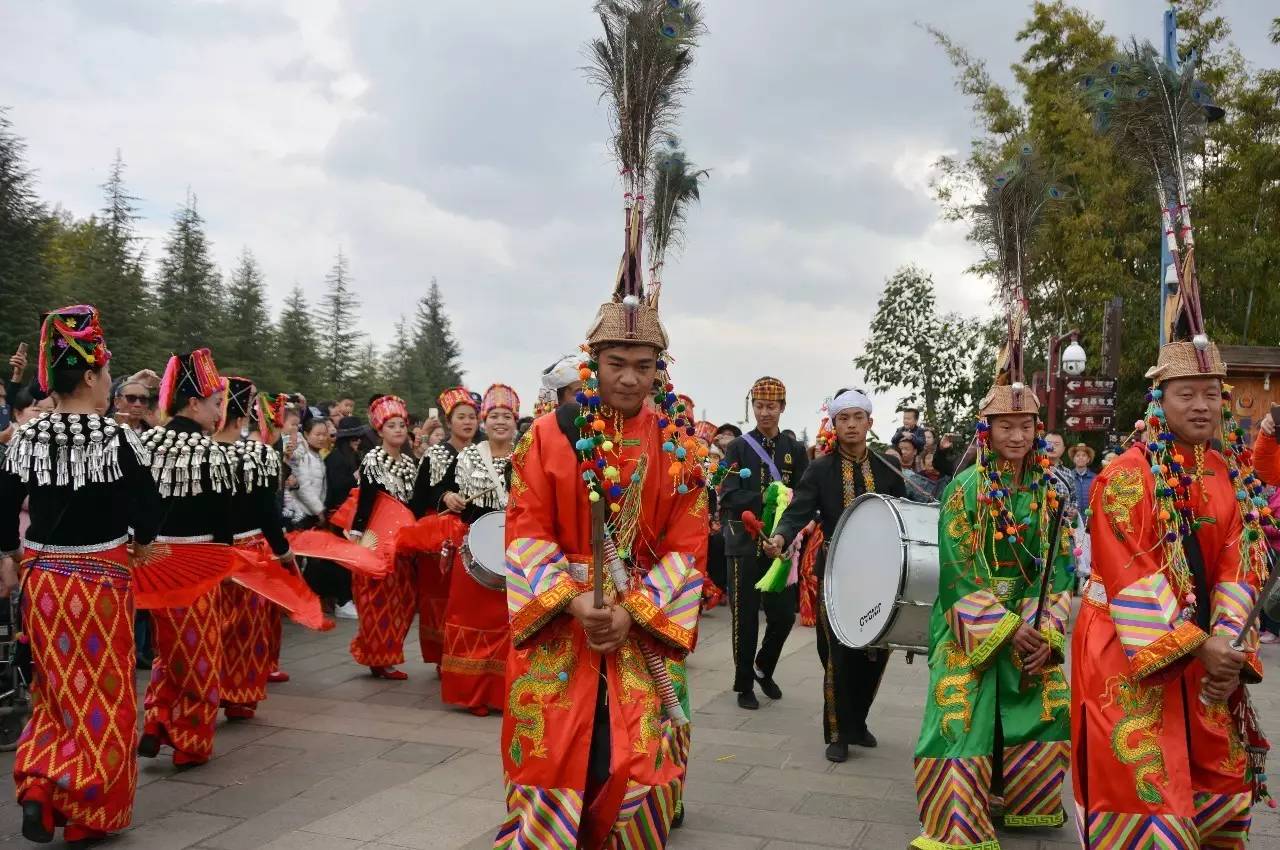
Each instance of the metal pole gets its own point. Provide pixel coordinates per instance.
(1166, 260)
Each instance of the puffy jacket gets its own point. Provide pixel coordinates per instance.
(307, 498)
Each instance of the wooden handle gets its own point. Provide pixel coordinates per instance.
(597, 550)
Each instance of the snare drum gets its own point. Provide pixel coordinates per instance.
(484, 552)
(881, 575)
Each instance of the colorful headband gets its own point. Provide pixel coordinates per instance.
(192, 375)
(500, 395)
(768, 389)
(70, 337)
(386, 408)
(452, 397)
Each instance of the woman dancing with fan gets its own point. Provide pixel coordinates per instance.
(248, 619)
(477, 636)
(434, 492)
(385, 605)
(196, 482)
(87, 481)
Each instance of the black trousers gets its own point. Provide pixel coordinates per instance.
(746, 603)
(850, 681)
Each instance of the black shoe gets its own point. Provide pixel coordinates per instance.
(866, 739)
(748, 701)
(149, 746)
(838, 752)
(770, 687)
(33, 823)
(678, 820)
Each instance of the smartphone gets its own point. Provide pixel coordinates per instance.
(433, 414)
(1275, 413)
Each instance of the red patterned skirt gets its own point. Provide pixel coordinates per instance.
(275, 636)
(386, 607)
(182, 700)
(78, 749)
(246, 638)
(477, 639)
(433, 595)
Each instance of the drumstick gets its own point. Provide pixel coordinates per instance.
(1256, 611)
(1046, 571)
(475, 496)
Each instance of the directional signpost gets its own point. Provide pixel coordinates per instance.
(1090, 404)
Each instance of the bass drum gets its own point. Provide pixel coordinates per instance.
(484, 553)
(881, 576)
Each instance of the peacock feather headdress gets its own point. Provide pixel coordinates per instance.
(641, 64)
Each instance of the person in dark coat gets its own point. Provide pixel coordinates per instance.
(830, 484)
(770, 456)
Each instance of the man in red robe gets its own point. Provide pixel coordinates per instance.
(594, 738)
(1159, 744)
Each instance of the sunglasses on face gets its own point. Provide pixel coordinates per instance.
(138, 399)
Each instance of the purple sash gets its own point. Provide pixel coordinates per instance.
(764, 458)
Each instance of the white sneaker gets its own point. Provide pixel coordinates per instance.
(347, 611)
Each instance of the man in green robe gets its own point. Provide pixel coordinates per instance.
(996, 732)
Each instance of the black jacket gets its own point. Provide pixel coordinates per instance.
(739, 494)
(821, 492)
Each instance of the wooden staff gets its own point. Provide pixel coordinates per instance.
(597, 550)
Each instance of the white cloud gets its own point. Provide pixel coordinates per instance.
(461, 141)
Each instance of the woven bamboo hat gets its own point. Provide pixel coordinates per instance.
(1198, 358)
(1009, 400)
(630, 317)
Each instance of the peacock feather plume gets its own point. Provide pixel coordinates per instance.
(676, 185)
(1007, 220)
(1157, 116)
(641, 64)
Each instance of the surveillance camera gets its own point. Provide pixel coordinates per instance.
(1074, 359)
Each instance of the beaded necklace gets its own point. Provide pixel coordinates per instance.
(598, 450)
(1175, 510)
(995, 499)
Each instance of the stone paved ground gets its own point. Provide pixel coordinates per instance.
(336, 761)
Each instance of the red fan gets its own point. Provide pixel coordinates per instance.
(374, 555)
(345, 553)
(174, 575)
(752, 524)
(282, 585)
(429, 535)
(346, 512)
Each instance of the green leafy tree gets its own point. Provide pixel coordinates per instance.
(367, 376)
(297, 347)
(187, 289)
(25, 232)
(936, 359)
(339, 338)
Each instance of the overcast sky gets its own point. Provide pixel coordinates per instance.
(461, 141)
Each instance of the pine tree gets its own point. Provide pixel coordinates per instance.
(24, 239)
(339, 338)
(117, 281)
(367, 376)
(249, 349)
(187, 291)
(437, 355)
(400, 366)
(297, 349)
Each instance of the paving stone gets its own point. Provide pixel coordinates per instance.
(261, 829)
(424, 754)
(460, 775)
(238, 765)
(174, 830)
(257, 794)
(165, 797)
(461, 822)
(310, 841)
(826, 783)
(689, 838)
(858, 809)
(738, 820)
(734, 794)
(381, 814)
(362, 781)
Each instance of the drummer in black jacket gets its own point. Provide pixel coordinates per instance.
(770, 456)
(830, 485)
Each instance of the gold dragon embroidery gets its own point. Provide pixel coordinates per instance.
(546, 682)
(951, 694)
(1142, 707)
(1054, 693)
(1219, 714)
(635, 678)
(959, 528)
(1121, 495)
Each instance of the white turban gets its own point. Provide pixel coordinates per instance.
(848, 400)
(562, 373)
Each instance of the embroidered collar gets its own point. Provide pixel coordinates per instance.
(182, 461)
(70, 449)
(254, 464)
(396, 475)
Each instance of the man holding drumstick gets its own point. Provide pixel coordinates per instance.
(829, 485)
